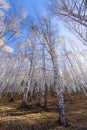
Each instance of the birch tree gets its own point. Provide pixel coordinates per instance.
(44, 78)
(29, 75)
(48, 37)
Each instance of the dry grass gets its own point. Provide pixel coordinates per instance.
(34, 117)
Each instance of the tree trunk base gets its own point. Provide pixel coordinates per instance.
(63, 122)
(30, 100)
(23, 105)
(46, 109)
(39, 104)
(11, 100)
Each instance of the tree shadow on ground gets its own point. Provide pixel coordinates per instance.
(83, 128)
(32, 109)
(19, 125)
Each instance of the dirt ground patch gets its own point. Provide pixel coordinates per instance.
(34, 117)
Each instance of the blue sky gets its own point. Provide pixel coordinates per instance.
(40, 7)
(35, 5)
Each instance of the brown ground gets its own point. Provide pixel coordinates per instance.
(35, 118)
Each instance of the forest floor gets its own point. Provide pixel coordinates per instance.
(34, 117)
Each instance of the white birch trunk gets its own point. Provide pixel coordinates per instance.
(26, 90)
(39, 95)
(12, 97)
(44, 78)
(58, 87)
(28, 79)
